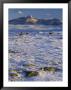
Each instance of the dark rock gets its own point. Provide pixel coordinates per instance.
(28, 65)
(20, 33)
(54, 69)
(13, 74)
(11, 51)
(30, 73)
(50, 32)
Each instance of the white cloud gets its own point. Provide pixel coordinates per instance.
(20, 12)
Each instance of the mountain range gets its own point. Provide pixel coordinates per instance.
(29, 20)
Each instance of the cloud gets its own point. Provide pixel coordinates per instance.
(20, 12)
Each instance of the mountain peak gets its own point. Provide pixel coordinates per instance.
(29, 16)
(32, 20)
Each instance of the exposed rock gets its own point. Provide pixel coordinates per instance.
(30, 73)
(28, 65)
(49, 69)
(11, 51)
(50, 32)
(14, 74)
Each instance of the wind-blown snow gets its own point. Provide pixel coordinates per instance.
(31, 51)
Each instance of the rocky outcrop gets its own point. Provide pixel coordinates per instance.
(29, 20)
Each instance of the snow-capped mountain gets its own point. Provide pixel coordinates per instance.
(30, 20)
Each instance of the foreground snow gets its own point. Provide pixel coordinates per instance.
(33, 51)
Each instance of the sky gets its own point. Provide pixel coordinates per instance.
(38, 13)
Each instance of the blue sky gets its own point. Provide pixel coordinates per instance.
(38, 13)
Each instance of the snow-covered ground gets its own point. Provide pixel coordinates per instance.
(35, 56)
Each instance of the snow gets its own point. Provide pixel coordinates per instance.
(32, 51)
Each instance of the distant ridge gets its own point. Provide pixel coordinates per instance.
(29, 20)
